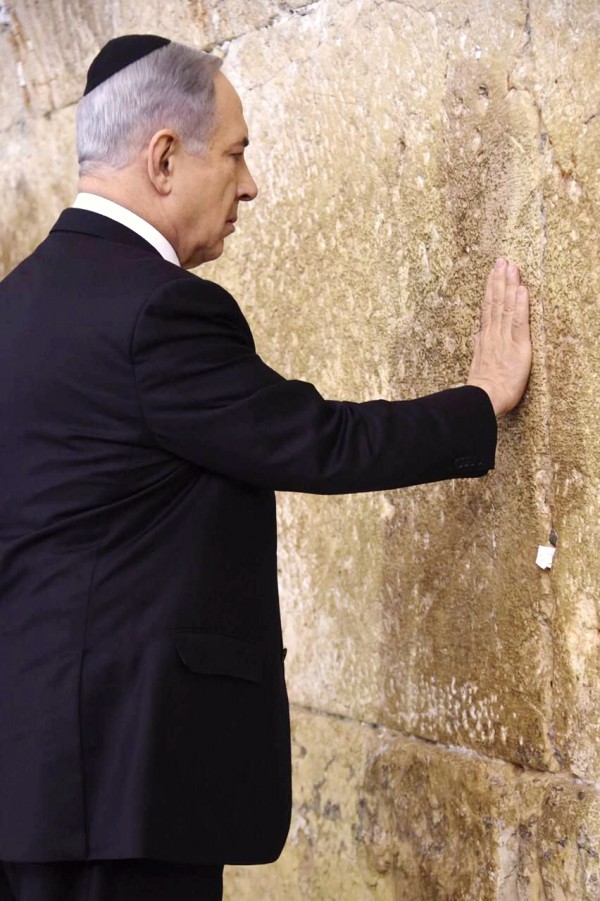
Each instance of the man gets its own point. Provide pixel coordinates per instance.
(143, 711)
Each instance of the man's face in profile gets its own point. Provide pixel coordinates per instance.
(207, 189)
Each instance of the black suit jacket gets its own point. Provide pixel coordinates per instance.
(143, 709)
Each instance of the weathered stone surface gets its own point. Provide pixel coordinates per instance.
(566, 85)
(454, 826)
(39, 178)
(44, 57)
(325, 855)
(379, 816)
(402, 193)
(399, 147)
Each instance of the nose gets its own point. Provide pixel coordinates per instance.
(247, 189)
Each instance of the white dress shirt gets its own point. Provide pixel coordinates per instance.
(96, 204)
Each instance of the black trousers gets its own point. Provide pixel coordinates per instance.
(109, 880)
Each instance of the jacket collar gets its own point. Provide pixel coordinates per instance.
(87, 223)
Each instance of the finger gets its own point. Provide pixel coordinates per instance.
(498, 290)
(486, 306)
(520, 326)
(513, 276)
(510, 296)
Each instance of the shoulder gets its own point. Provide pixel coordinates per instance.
(181, 293)
(185, 303)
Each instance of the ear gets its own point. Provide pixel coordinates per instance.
(161, 152)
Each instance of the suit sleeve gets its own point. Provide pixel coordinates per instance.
(208, 397)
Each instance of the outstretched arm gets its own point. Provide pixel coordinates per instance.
(207, 397)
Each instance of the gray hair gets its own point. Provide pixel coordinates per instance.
(172, 87)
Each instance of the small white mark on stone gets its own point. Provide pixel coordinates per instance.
(5, 19)
(545, 556)
(478, 51)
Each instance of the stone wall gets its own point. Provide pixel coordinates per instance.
(445, 720)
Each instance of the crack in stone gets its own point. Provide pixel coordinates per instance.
(563, 777)
(527, 26)
(422, 10)
(544, 142)
(549, 500)
(303, 10)
(222, 44)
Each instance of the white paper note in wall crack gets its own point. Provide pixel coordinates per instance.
(545, 556)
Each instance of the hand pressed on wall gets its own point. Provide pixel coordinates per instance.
(502, 357)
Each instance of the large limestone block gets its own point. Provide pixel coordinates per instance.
(379, 816)
(459, 827)
(387, 191)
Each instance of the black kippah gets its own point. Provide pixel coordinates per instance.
(120, 53)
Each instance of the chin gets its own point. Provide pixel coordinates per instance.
(205, 255)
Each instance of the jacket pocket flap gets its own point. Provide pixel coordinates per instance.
(214, 654)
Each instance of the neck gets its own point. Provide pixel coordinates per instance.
(122, 186)
(118, 191)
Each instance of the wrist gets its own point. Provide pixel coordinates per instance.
(493, 394)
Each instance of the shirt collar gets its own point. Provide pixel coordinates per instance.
(96, 204)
